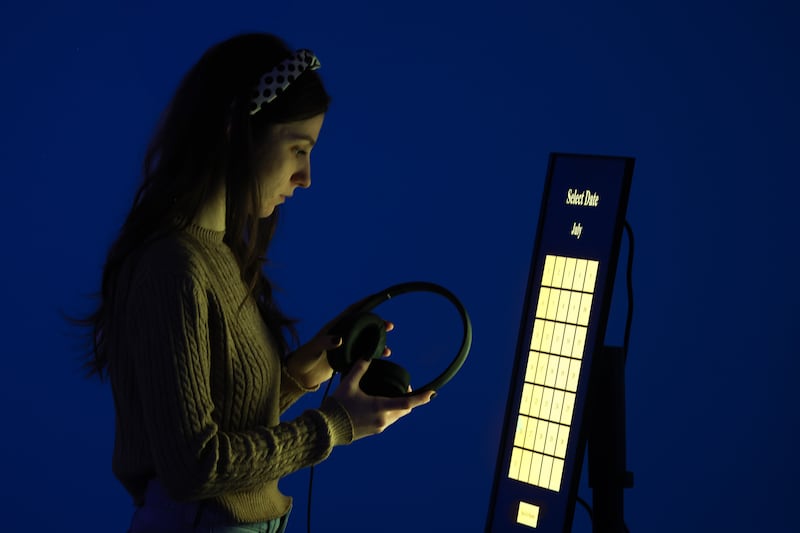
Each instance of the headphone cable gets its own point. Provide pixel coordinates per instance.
(629, 283)
(311, 472)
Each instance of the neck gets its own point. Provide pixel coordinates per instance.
(212, 214)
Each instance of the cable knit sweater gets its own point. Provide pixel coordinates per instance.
(199, 386)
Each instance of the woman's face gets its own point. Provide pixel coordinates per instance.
(287, 161)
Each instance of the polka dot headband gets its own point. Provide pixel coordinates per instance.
(277, 80)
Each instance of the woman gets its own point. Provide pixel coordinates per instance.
(187, 330)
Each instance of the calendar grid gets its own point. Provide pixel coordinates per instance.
(552, 371)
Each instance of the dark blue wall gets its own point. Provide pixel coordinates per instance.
(430, 166)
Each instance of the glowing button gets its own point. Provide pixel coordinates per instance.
(563, 372)
(536, 469)
(578, 342)
(522, 427)
(558, 271)
(533, 363)
(591, 276)
(528, 514)
(525, 402)
(568, 408)
(541, 369)
(561, 443)
(569, 272)
(585, 309)
(525, 467)
(547, 275)
(557, 345)
(569, 338)
(580, 273)
(541, 305)
(552, 304)
(536, 338)
(573, 308)
(552, 371)
(530, 434)
(558, 405)
(547, 336)
(563, 306)
(547, 403)
(547, 470)
(541, 434)
(573, 375)
(513, 467)
(536, 400)
(556, 474)
(551, 439)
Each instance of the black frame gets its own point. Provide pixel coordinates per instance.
(605, 281)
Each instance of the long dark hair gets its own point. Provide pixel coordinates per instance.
(205, 139)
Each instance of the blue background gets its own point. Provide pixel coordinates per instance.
(430, 166)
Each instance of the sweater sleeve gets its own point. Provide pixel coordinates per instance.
(291, 389)
(194, 459)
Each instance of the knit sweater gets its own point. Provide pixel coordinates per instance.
(199, 386)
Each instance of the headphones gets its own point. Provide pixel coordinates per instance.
(364, 337)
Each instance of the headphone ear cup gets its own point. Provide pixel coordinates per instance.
(363, 337)
(384, 378)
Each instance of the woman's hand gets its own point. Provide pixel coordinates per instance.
(373, 414)
(309, 366)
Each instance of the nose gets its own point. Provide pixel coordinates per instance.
(302, 178)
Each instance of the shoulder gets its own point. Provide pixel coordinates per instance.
(179, 263)
(174, 255)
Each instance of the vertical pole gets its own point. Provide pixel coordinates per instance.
(608, 476)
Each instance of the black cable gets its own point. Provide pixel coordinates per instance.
(591, 515)
(629, 280)
(311, 473)
(587, 507)
(629, 319)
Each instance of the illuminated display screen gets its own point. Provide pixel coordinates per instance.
(552, 371)
(566, 308)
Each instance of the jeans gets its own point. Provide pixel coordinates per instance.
(162, 514)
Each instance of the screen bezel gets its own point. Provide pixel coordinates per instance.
(599, 322)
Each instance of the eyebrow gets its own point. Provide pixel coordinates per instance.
(301, 137)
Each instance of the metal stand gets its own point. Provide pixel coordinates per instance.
(608, 475)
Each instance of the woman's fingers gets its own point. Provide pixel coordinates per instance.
(353, 377)
(372, 414)
(404, 403)
(389, 327)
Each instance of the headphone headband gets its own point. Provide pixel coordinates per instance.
(423, 286)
